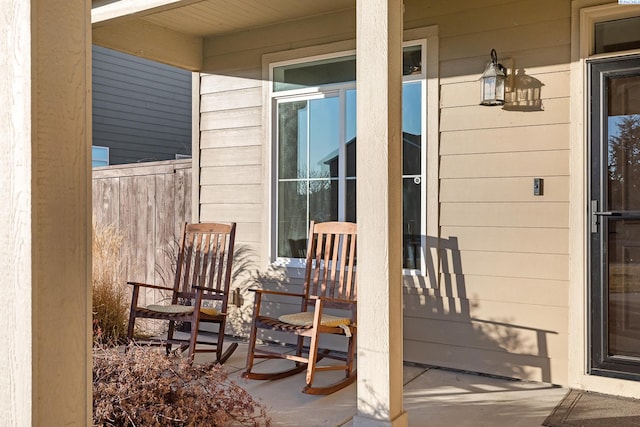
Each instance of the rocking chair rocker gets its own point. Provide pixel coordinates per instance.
(330, 282)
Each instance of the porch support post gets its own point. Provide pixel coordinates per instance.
(45, 215)
(379, 213)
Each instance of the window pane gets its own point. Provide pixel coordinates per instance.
(411, 223)
(335, 70)
(315, 73)
(323, 200)
(618, 35)
(623, 126)
(350, 134)
(350, 214)
(411, 128)
(316, 183)
(100, 156)
(292, 219)
(412, 60)
(292, 140)
(324, 137)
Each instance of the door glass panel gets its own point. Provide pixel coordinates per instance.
(624, 288)
(624, 143)
(623, 232)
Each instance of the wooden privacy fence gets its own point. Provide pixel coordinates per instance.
(147, 203)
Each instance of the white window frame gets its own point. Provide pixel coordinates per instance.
(427, 39)
(104, 149)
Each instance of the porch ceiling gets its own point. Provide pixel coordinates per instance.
(143, 27)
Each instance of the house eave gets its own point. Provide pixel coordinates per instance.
(144, 39)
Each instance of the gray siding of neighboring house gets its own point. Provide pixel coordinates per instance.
(141, 108)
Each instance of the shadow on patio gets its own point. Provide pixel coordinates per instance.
(432, 397)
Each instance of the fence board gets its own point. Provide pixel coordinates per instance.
(147, 203)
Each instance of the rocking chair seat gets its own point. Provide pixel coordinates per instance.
(170, 308)
(209, 311)
(305, 318)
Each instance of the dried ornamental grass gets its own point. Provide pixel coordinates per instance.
(146, 388)
(110, 300)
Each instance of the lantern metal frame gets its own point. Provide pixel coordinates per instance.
(493, 82)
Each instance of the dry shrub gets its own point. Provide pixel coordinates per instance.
(110, 300)
(145, 388)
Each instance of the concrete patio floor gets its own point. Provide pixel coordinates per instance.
(432, 397)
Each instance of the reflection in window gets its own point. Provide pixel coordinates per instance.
(624, 143)
(308, 168)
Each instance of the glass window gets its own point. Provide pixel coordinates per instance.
(335, 70)
(315, 73)
(617, 35)
(412, 60)
(316, 155)
(308, 169)
(99, 156)
(412, 174)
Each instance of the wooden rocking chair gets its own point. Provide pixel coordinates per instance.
(200, 292)
(329, 282)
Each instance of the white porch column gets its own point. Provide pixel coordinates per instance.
(45, 215)
(379, 201)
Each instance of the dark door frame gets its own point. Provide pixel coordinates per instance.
(600, 362)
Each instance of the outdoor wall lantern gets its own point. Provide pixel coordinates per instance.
(493, 82)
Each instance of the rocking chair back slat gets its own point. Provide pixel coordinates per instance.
(332, 263)
(203, 260)
(350, 284)
(183, 266)
(220, 250)
(200, 248)
(212, 255)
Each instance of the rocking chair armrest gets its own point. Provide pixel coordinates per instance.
(286, 294)
(147, 285)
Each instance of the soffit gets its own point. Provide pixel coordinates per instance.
(206, 18)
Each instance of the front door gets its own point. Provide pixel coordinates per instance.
(615, 218)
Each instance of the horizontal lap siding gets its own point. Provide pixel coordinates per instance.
(501, 306)
(141, 108)
(231, 157)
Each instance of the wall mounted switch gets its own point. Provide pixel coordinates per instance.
(538, 186)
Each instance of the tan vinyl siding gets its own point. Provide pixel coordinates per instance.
(501, 305)
(231, 153)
